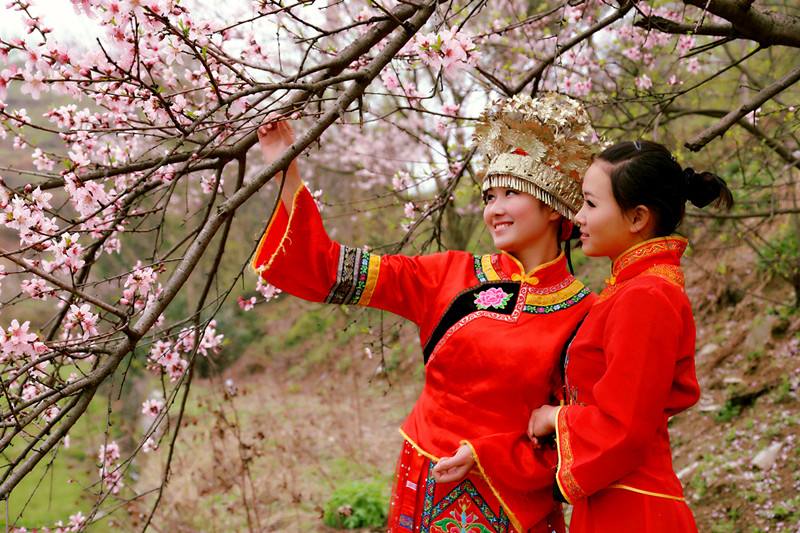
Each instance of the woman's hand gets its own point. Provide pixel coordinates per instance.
(542, 422)
(275, 136)
(454, 468)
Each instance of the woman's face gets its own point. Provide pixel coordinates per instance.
(605, 230)
(516, 220)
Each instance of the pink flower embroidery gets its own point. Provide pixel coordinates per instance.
(495, 298)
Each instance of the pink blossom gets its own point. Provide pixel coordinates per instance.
(41, 161)
(108, 453)
(36, 288)
(77, 522)
(644, 82)
(246, 304)
(112, 479)
(390, 80)
(50, 413)
(211, 342)
(267, 291)
(450, 109)
(152, 407)
(633, 53)
(176, 368)
(16, 340)
(34, 84)
(685, 43)
(42, 199)
(149, 445)
(81, 317)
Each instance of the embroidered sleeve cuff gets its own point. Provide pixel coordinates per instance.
(565, 480)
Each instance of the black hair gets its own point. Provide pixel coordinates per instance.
(645, 173)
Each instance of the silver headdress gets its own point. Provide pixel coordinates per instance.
(541, 146)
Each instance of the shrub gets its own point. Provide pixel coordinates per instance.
(357, 504)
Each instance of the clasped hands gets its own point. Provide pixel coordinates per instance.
(457, 466)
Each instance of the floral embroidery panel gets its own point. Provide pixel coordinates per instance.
(495, 298)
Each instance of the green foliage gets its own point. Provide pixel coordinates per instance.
(728, 412)
(780, 257)
(357, 504)
(783, 392)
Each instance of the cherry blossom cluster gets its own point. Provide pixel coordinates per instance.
(447, 49)
(110, 471)
(267, 291)
(166, 356)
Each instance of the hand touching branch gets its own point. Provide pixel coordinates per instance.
(275, 137)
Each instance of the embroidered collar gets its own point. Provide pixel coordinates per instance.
(544, 275)
(643, 256)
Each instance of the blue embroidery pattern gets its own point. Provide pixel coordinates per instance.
(547, 309)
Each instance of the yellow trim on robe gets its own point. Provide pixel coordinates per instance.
(372, 279)
(558, 452)
(647, 492)
(488, 268)
(511, 516)
(417, 448)
(260, 270)
(556, 297)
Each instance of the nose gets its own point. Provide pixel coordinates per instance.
(496, 206)
(580, 217)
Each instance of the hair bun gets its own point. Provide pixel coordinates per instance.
(704, 188)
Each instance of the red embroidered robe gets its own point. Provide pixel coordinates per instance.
(491, 335)
(629, 368)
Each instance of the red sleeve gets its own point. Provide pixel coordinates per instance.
(600, 443)
(297, 256)
(520, 475)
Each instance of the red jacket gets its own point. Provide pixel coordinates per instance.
(630, 367)
(491, 335)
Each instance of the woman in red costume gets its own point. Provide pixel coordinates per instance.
(492, 327)
(631, 364)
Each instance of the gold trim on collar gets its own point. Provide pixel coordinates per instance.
(555, 297)
(488, 268)
(646, 249)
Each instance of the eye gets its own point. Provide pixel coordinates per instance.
(487, 197)
(589, 203)
(511, 192)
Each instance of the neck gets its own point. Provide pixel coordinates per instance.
(534, 256)
(635, 240)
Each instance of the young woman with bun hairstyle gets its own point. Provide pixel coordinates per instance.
(631, 365)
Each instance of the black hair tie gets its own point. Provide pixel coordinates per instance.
(689, 176)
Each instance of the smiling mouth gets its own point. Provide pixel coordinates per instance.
(502, 225)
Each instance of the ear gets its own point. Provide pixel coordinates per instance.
(640, 219)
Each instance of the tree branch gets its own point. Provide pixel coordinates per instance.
(536, 73)
(706, 136)
(763, 26)
(670, 26)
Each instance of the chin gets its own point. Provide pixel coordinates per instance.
(589, 250)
